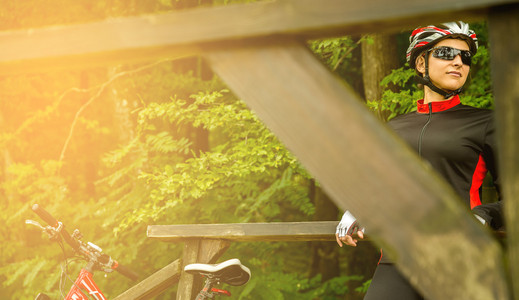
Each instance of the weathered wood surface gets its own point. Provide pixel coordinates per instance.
(153, 37)
(185, 285)
(155, 284)
(288, 231)
(365, 168)
(503, 31)
(198, 251)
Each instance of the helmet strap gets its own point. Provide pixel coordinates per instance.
(426, 80)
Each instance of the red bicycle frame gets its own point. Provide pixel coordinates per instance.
(84, 287)
(85, 283)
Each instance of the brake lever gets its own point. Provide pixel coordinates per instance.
(32, 222)
(52, 232)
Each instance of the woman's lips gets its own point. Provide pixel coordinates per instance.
(454, 73)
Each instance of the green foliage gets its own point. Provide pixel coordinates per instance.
(279, 285)
(478, 93)
(245, 177)
(190, 152)
(159, 176)
(334, 51)
(400, 102)
(342, 56)
(364, 287)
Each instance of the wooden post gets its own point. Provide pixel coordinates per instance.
(185, 285)
(198, 251)
(504, 46)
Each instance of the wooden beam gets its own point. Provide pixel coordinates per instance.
(361, 164)
(265, 232)
(504, 30)
(154, 37)
(155, 284)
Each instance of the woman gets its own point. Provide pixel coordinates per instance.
(457, 140)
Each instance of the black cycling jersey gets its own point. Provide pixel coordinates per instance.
(456, 139)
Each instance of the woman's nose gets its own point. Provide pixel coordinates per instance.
(457, 60)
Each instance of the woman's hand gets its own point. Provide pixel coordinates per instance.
(350, 240)
(348, 230)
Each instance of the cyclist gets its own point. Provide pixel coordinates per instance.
(457, 140)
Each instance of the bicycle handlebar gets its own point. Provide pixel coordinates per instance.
(44, 215)
(126, 271)
(47, 217)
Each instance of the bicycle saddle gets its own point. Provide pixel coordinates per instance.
(230, 271)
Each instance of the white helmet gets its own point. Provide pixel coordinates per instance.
(424, 38)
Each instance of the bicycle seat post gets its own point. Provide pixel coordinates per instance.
(206, 292)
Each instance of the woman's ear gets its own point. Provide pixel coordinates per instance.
(420, 64)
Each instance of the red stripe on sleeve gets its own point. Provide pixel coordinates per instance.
(477, 180)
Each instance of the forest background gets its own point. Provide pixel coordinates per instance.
(110, 150)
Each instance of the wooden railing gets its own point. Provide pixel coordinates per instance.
(205, 243)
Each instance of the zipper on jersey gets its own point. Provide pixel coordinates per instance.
(423, 130)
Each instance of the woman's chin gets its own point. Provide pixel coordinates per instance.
(451, 86)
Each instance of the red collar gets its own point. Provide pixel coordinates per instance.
(437, 106)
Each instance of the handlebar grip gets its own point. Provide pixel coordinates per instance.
(44, 215)
(126, 272)
(47, 217)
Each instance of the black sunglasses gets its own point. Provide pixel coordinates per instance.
(449, 53)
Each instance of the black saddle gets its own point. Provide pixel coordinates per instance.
(230, 271)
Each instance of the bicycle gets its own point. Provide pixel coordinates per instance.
(231, 272)
(83, 287)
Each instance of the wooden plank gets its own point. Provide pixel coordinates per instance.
(153, 37)
(289, 231)
(503, 30)
(365, 168)
(155, 284)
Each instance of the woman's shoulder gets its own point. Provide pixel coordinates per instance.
(403, 117)
(476, 111)
(405, 120)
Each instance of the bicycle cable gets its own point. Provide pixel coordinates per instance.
(60, 243)
(64, 271)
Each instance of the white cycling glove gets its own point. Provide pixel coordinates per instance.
(348, 225)
(480, 219)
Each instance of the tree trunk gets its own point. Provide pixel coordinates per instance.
(379, 57)
(325, 255)
(122, 113)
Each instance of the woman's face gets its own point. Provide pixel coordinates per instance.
(446, 74)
